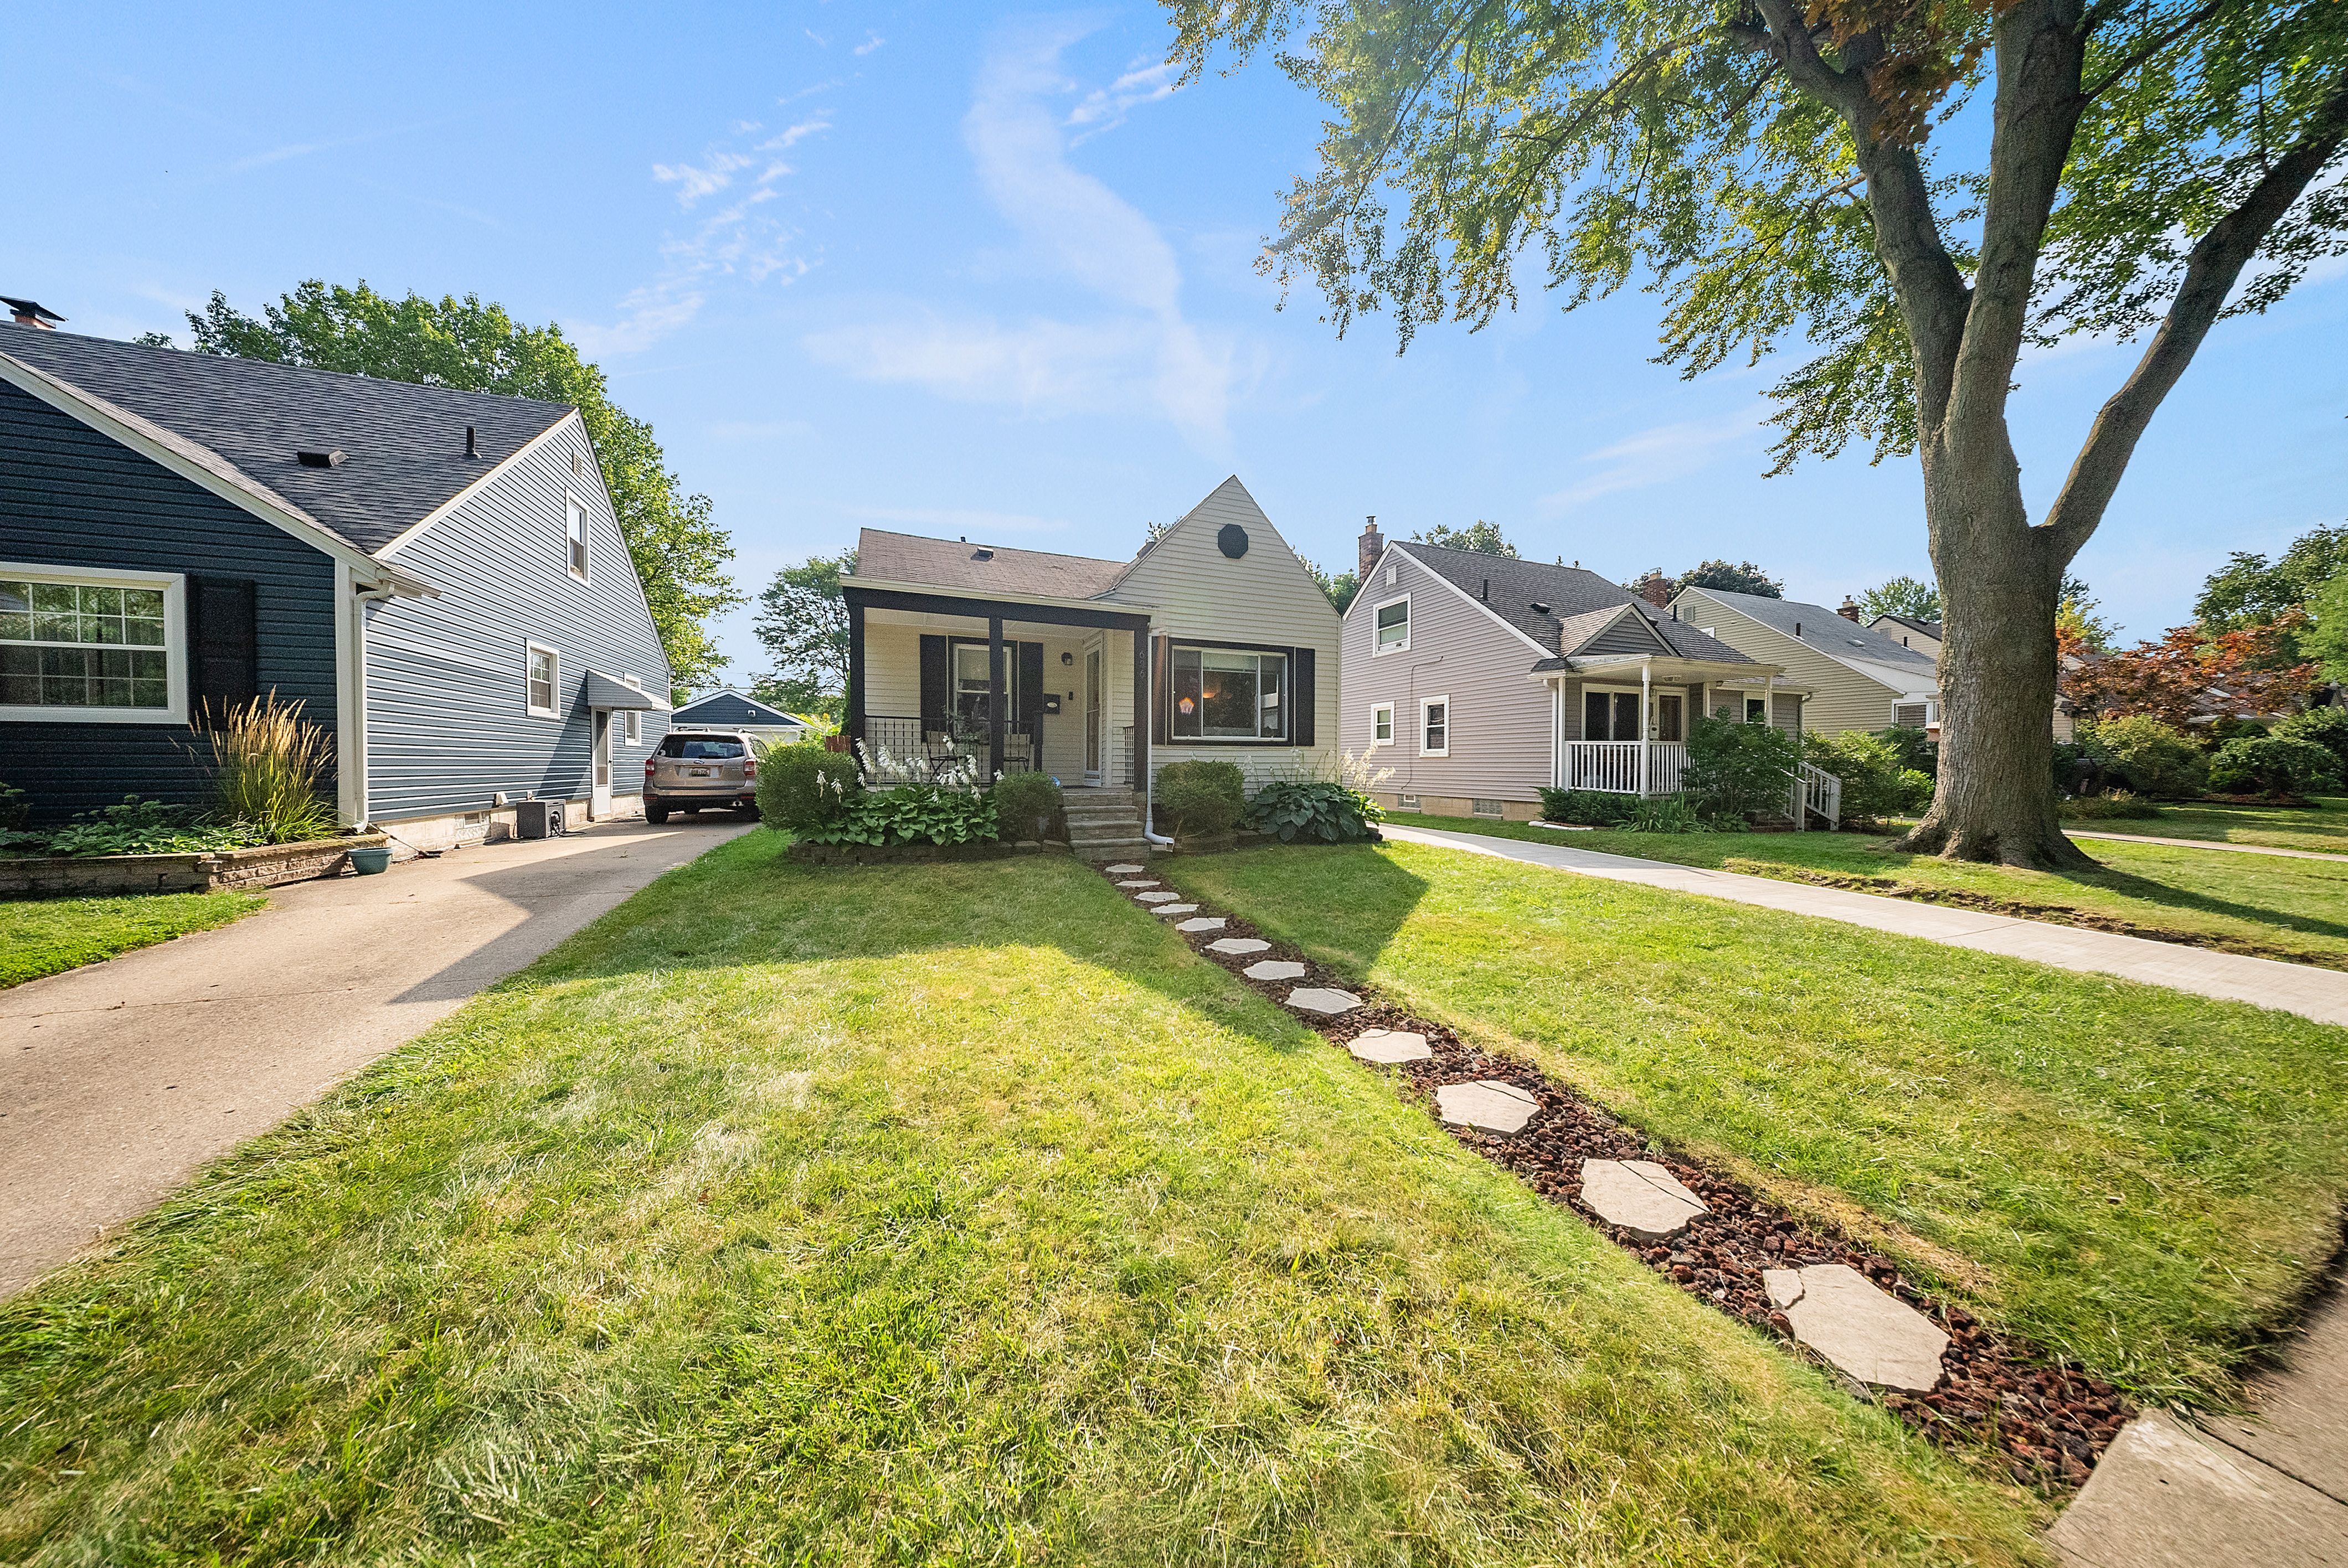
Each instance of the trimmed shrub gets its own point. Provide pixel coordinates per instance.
(1874, 782)
(1316, 811)
(2095, 808)
(1587, 807)
(1739, 770)
(1200, 797)
(803, 787)
(1030, 805)
(2327, 727)
(2267, 764)
(2146, 755)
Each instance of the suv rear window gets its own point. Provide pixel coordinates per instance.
(701, 748)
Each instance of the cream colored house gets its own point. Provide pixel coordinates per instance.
(1214, 642)
(1857, 677)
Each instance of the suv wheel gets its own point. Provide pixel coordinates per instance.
(655, 812)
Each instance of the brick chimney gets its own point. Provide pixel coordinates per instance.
(1847, 610)
(31, 314)
(1655, 588)
(1371, 546)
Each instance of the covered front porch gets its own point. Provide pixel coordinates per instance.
(941, 685)
(1621, 726)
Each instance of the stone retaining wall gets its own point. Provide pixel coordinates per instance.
(263, 866)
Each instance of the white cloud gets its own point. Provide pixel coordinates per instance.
(716, 173)
(1105, 108)
(1139, 353)
(871, 42)
(1656, 457)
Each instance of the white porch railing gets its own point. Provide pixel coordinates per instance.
(1815, 790)
(1625, 767)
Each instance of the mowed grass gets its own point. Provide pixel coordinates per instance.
(950, 1213)
(2270, 906)
(2321, 826)
(2137, 1178)
(44, 936)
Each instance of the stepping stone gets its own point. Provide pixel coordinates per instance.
(1121, 871)
(1870, 1333)
(1390, 1045)
(1330, 1003)
(1639, 1196)
(1274, 969)
(1173, 908)
(1236, 946)
(1157, 898)
(1495, 1106)
(1203, 923)
(1143, 881)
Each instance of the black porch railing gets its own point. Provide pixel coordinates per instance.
(925, 747)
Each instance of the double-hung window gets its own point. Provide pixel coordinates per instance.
(540, 670)
(1393, 626)
(635, 721)
(1229, 695)
(1381, 724)
(90, 647)
(1435, 727)
(574, 525)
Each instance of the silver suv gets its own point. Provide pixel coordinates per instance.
(690, 770)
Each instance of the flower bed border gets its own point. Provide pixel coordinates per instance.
(2048, 1420)
(201, 871)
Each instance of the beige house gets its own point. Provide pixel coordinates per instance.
(1213, 642)
(1859, 678)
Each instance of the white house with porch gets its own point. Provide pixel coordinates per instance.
(1213, 642)
(1485, 679)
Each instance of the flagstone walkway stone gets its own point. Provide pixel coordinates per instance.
(1275, 969)
(1488, 1103)
(1204, 923)
(1314, 999)
(1176, 909)
(1156, 897)
(1238, 945)
(1142, 882)
(1868, 1333)
(1639, 1196)
(1123, 870)
(1389, 1046)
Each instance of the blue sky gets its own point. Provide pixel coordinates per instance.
(961, 269)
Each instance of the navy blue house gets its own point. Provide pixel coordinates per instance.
(436, 576)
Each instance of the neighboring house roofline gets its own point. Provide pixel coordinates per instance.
(1882, 672)
(740, 695)
(206, 468)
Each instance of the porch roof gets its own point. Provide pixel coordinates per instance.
(1670, 672)
(1049, 609)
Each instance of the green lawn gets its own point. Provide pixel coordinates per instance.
(2322, 828)
(2269, 905)
(2137, 1177)
(911, 1213)
(42, 936)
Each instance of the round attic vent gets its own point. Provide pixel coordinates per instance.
(1232, 540)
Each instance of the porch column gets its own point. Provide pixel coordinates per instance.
(855, 697)
(994, 698)
(1646, 724)
(1141, 708)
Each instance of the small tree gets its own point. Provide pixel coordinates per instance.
(1902, 596)
(1339, 586)
(2187, 677)
(1737, 577)
(1480, 536)
(1739, 769)
(803, 623)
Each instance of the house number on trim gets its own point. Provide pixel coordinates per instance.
(1232, 540)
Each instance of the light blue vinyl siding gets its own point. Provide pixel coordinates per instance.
(449, 724)
(74, 496)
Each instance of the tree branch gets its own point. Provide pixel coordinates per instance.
(2211, 269)
(2167, 36)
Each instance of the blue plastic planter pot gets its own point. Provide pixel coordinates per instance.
(371, 862)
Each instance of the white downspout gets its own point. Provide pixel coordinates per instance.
(1148, 776)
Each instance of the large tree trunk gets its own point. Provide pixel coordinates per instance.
(1999, 582)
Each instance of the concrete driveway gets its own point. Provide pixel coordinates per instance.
(118, 1080)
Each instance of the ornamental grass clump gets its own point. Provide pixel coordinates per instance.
(267, 765)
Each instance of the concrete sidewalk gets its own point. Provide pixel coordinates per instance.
(2318, 994)
(2204, 844)
(118, 1080)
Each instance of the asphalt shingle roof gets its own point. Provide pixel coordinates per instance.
(1822, 628)
(402, 444)
(1569, 591)
(1930, 629)
(889, 557)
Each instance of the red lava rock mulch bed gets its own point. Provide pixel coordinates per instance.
(2051, 1421)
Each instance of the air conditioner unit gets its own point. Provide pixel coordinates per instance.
(537, 819)
(1912, 715)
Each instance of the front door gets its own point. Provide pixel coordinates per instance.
(1093, 717)
(599, 803)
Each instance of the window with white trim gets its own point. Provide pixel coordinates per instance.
(1381, 724)
(90, 646)
(1229, 695)
(635, 724)
(1435, 727)
(541, 669)
(1391, 626)
(574, 526)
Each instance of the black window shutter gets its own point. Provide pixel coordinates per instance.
(223, 644)
(1300, 696)
(936, 702)
(1031, 684)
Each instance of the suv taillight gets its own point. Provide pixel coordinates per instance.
(750, 769)
(648, 767)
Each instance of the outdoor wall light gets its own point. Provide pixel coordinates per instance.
(1066, 657)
